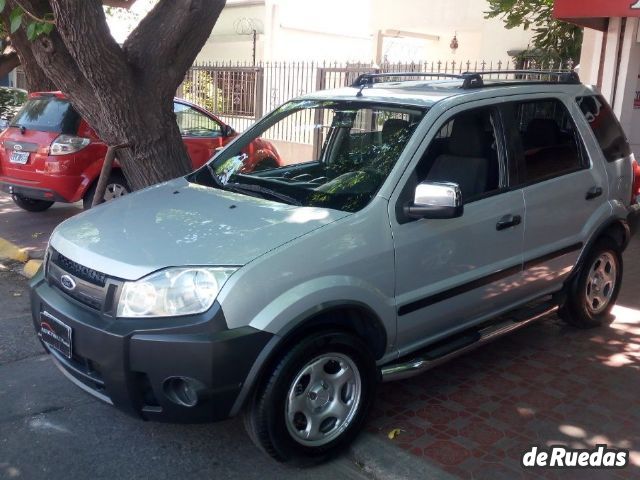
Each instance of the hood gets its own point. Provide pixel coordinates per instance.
(178, 224)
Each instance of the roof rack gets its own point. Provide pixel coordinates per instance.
(472, 80)
(368, 79)
(570, 77)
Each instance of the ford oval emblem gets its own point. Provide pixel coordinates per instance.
(67, 282)
(17, 148)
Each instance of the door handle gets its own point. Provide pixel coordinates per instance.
(594, 192)
(508, 221)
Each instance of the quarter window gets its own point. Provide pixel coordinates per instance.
(605, 126)
(550, 142)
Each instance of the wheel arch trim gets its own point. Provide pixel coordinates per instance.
(312, 320)
(609, 225)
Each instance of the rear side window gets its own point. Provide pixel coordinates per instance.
(550, 142)
(605, 126)
(48, 114)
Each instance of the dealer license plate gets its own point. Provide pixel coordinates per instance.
(55, 334)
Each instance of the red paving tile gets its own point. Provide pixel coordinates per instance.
(547, 384)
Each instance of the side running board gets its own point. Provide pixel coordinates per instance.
(466, 342)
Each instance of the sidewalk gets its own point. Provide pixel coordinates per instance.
(547, 384)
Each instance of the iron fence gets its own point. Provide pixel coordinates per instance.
(241, 93)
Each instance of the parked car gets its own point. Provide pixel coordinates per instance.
(11, 100)
(421, 219)
(50, 154)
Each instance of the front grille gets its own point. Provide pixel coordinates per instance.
(77, 270)
(91, 288)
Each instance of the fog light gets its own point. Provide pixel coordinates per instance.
(183, 391)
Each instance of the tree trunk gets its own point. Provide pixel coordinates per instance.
(126, 93)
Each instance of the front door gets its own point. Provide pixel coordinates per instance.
(452, 273)
(201, 134)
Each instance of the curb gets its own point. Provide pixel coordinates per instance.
(9, 251)
(382, 460)
(31, 268)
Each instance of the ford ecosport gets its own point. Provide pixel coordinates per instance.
(410, 221)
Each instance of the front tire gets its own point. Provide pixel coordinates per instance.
(31, 204)
(595, 290)
(315, 400)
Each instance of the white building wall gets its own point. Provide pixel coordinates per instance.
(347, 31)
(479, 38)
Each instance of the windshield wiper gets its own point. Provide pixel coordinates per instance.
(243, 188)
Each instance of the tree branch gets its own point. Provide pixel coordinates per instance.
(34, 17)
(82, 25)
(176, 30)
(8, 62)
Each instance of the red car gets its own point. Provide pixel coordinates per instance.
(50, 154)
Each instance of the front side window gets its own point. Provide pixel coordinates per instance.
(550, 142)
(192, 123)
(333, 154)
(465, 151)
(605, 127)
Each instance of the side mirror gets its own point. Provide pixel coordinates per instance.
(228, 131)
(437, 200)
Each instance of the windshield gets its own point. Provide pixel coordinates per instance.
(333, 154)
(47, 114)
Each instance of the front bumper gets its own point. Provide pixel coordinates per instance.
(133, 364)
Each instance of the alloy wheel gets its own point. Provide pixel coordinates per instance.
(601, 283)
(323, 399)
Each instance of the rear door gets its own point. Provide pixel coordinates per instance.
(202, 134)
(565, 190)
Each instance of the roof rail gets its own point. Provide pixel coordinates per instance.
(471, 80)
(563, 76)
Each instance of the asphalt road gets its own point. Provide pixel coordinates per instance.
(49, 429)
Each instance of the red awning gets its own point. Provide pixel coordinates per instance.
(594, 13)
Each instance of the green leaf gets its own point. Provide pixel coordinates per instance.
(15, 19)
(3, 3)
(46, 28)
(32, 31)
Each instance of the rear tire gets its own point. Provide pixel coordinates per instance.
(117, 186)
(594, 291)
(315, 400)
(31, 204)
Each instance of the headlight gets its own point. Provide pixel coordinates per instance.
(172, 292)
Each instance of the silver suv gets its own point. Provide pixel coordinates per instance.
(411, 221)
